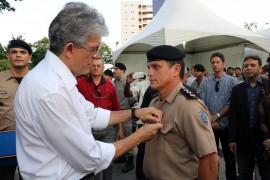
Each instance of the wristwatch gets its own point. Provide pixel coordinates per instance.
(218, 115)
(133, 116)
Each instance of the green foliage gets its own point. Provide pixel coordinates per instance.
(20, 37)
(3, 53)
(40, 47)
(5, 5)
(4, 65)
(39, 50)
(106, 53)
(30, 66)
(254, 26)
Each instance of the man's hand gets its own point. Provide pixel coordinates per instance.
(148, 131)
(145, 133)
(233, 147)
(149, 114)
(216, 125)
(213, 118)
(120, 133)
(266, 145)
(129, 78)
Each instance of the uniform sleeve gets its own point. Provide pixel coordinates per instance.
(196, 128)
(116, 105)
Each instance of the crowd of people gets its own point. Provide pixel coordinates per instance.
(73, 118)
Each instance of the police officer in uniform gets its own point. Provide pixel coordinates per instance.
(19, 54)
(185, 148)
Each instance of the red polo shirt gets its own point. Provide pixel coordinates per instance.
(103, 95)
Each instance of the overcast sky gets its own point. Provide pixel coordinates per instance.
(32, 17)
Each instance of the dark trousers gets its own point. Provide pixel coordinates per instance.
(139, 161)
(229, 158)
(247, 157)
(88, 177)
(106, 135)
(7, 173)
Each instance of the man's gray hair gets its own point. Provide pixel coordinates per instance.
(75, 23)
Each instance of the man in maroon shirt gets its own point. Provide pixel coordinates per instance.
(101, 92)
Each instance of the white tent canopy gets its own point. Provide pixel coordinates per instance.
(192, 27)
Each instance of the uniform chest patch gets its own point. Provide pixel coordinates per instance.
(203, 118)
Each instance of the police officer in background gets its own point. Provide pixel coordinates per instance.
(185, 147)
(19, 54)
(120, 82)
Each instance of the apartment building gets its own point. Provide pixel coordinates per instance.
(134, 17)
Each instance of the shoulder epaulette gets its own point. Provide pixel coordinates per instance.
(188, 94)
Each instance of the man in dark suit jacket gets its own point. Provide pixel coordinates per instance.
(244, 126)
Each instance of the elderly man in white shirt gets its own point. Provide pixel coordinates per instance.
(54, 139)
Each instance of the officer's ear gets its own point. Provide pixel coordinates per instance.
(176, 69)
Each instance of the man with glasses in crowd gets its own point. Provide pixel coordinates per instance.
(102, 94)
(53, 120)
(215, 92)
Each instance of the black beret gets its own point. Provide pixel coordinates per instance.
(164, 52)
(120, 66)
(108, 72)
(19, 44)
(199, 67)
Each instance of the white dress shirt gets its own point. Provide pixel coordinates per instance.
(53, 121)
(139, 89)
(190, 80)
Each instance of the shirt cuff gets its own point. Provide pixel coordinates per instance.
(223, 122)
(108, 152)
(102, 118)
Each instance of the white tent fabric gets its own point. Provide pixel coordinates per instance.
(192, 27)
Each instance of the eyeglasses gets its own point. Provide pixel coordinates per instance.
(98, 93)
(92, 50)
(217, 86)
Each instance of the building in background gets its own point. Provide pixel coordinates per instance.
(134, 17)
(157, 5)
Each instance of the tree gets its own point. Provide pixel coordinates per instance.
(40, 47)
(106, 53)
(254, 26)
(4, 65)
(5, 5)
(2, 52)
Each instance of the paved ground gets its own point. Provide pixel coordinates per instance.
(118, 175)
